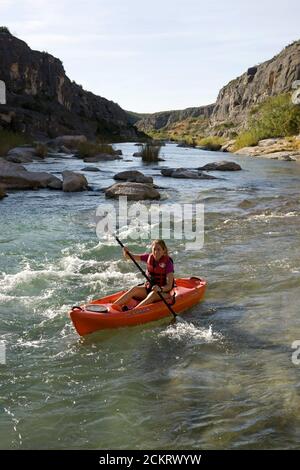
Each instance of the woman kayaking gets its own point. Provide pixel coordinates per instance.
(110, 311)
(160, 269)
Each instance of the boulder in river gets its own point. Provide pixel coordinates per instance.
(73, 182)
(133, 176)
(189, 173)
(21, 155)
(101, 157)
(90, 168)
(221, 166)
(133, 191)
(15, 176)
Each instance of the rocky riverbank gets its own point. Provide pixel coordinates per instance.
(287, 148)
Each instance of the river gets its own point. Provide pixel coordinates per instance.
(221, 377)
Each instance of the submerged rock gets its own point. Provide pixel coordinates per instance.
(90, 168)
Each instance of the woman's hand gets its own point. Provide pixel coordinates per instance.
(157, 289)
(125, 252)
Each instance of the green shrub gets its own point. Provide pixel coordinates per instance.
(9, 140)
(278, 117)
(212, 142)
(247, 139)
(275, 117)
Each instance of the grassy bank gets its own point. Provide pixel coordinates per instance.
(9, 140)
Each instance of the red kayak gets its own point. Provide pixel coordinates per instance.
(99, 314)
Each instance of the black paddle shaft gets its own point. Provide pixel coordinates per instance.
(147, 277)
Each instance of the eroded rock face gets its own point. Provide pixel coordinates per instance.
(270, 78)
(133, 191)
(221, 166)
(41, 99)
(73, 182)
(15, 176)
(133, 176)
(167, 118)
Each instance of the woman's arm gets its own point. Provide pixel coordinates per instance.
(169, 285)
(126, 255)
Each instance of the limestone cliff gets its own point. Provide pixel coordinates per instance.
(270, 78)
(42, 100)
(165, 119)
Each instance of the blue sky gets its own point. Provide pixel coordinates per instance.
(155, 55)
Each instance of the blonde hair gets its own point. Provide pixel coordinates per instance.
(162, 244)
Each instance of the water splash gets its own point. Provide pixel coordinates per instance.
(188, 332)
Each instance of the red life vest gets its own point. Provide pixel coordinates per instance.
(157, 270)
